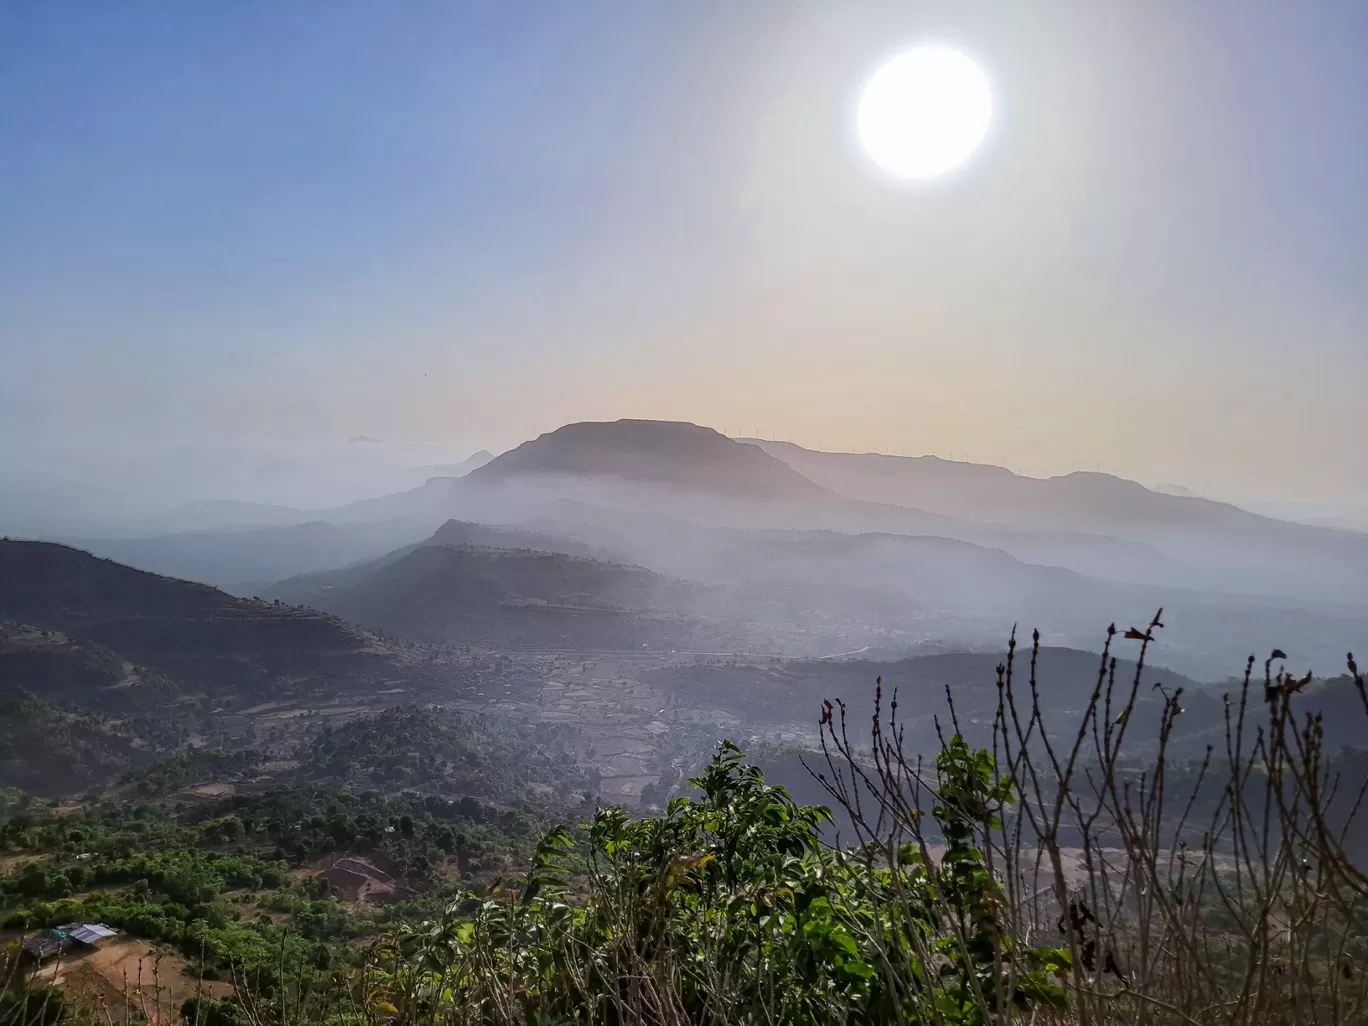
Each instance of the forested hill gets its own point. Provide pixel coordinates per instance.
(196, 636)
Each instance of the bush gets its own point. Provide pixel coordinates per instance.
(208, 1011)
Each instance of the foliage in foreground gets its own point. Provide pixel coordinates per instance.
(730, 908)
(1051, 878)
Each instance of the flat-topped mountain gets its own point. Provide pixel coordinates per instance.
(653, 452)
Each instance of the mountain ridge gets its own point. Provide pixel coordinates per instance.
(674, 453)
(196, 636)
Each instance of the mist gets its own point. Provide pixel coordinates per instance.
(437, 438)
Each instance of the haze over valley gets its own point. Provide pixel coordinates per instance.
(604, 575)
(683, 514)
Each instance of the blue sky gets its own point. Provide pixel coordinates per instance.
(231, 231)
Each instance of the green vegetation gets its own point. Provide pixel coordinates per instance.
(416, 833)
(1050, 878)
(454, 753)
(730, 908)
(54, 750)
(190, 765)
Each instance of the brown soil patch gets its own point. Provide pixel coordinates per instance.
(453, 868)
(87, 989)
(11, 863)
(216, 789)
(131, 970)
(363, 880)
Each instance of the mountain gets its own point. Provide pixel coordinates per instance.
(686, 472)
(900, 551)
(197, 638)
(1081, 501)
(473, 462)
(463, 532)
(1223, 547)
(674, 454)
(466, 533)
(468, 594)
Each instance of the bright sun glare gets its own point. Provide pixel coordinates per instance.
(924, 112)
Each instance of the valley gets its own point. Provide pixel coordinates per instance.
(653, 587)
(344, 725)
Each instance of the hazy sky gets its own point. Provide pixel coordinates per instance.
(237, 230)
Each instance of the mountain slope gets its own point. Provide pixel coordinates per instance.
(653, 452)
(473, 462)
(463, 532)
(1226, 547)
(793, 691)
(196, 636)
(55, 666)
(49, 750)
(463, 593)
(1081, 501)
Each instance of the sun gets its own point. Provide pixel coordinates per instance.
(924, 112)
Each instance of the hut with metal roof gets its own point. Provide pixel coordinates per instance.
(47, 944)
(92, 935)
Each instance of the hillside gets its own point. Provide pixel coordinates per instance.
(51, 664)
(445, 593)
(472, 462)
(49, 750)
(444, 752)
(653, 452)
(195, 636)
(463, 532)
(792, 692)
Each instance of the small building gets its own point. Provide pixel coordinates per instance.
(90, 935)
(82, 936)
(47, 944)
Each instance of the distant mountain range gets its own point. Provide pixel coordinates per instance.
(1224, 546)
(853, 543)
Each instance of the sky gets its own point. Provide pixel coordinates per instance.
(233, 236)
